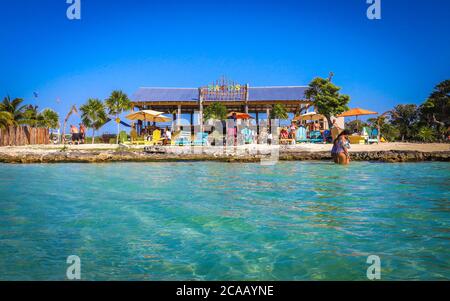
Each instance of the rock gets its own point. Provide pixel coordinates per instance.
(173, 154)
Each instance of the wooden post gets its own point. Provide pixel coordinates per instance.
(246, 97)
(200, 113)
(179, 117)
(192, 123)
(257, 122)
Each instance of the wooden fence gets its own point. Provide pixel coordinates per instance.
(23, 135)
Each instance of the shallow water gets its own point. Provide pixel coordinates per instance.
(216, 221)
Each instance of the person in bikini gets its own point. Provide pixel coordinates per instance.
(339, 152)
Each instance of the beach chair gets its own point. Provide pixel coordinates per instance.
(315, 137)
(284, 137)
(373, 137)
(356, 139)
(183, 138)
(247, 135)
(301, 135)
(135, 139)
(156, 138)
(201, 139)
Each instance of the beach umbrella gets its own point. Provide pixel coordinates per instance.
(240, 115)
(309, 116)
(357, 112)
(149, 115)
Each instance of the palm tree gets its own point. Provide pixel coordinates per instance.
(30, 116)
(279, 112)
(14, 107)
(93, 115)
(48, 119)
(117, 103)
(216, 110)
(6, 119)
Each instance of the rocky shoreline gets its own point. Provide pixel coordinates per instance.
(163, 154)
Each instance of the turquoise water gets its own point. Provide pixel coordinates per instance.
(216, 221)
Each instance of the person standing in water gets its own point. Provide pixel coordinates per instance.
(339, 152)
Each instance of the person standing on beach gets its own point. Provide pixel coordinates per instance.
(82, 134)
(75, 134)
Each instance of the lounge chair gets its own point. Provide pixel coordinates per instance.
(373, 137)
(156, 138)
(137, 140)
(201, 139)
(315, 137)
(301, 135)
(247, 135)
(284, 137)
(183, 138)
(356, 139)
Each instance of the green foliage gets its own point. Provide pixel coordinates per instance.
(436, 109)
(426, 134)
(15, 108)
(216, 110)
(355, 125)
(6, 119)
(385, 128)
(326, 97)
(30, 116)
(123, 137)
(390, 132)
(117, 103)
(438, 104)
(404, 118)
(93, 115)
(13, 113)
(279, 112)
(48, 119)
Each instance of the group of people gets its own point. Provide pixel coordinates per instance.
(78, 133)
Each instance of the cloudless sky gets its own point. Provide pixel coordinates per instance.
(126, 44)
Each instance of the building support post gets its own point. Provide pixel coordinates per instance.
(257, 122)
(246, 97)
(179, 118)
(200, 110)
(192, 123)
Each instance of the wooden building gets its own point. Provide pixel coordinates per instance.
(236, 97)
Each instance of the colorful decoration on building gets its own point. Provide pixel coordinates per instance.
(224, 90)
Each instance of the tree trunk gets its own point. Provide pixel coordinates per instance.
(330, 123)
(379, 132)
(93, 136)
(63, 136)
(118, 130)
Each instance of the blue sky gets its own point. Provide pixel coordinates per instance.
(121, 44)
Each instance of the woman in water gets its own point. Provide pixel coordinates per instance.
(340, 149)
